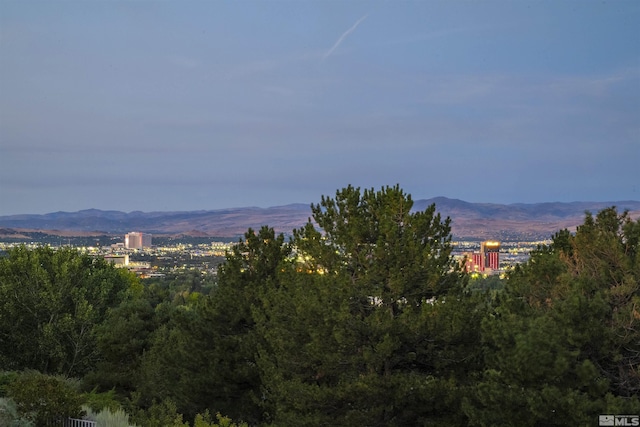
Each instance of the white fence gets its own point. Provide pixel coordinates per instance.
(73, 422)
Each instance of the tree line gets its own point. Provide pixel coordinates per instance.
(362, 318)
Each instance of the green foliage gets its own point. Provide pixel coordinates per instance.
(42, 398)
(203, 357)
(9, 416)
(121, 340)
(369, 327)
(492, 284)
(563, 343)
(362, 318)
(6, 378)
(97, 401)
(108, 417)
(164, 369)
(375, 239)
(160, 414)
(50, 302)
(204, 420)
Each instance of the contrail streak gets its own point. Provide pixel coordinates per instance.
(343, 36)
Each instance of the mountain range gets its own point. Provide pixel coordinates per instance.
(470, 221)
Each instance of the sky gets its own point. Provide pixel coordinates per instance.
(187, 105)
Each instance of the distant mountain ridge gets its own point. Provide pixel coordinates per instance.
(469, 220)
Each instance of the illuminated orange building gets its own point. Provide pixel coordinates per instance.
(490, 253)
(487, 259)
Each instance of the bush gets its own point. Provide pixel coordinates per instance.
(96, 401)
(6, 378)
(161, 414)
(220, 421)
(108, 418)
(9, 415)
(43, 398)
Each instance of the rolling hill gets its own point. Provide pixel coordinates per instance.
(469, 220)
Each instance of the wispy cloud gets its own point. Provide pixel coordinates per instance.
(344, 36)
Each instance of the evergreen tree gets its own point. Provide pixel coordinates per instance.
(204, 358)
(122, 340)
(371, 325)
(562, 345)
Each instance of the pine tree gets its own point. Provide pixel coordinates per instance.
(370, 326)
(563, 343)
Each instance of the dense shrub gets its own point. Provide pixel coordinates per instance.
(42, 398)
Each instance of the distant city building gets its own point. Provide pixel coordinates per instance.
(118, 260)
(490, 252)
(136, 240)
(485, 261)
(477, 263)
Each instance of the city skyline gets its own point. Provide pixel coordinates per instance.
(180, 106)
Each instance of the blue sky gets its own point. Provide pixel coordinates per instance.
(185, 105)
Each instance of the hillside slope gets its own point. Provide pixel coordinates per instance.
(469, 220)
